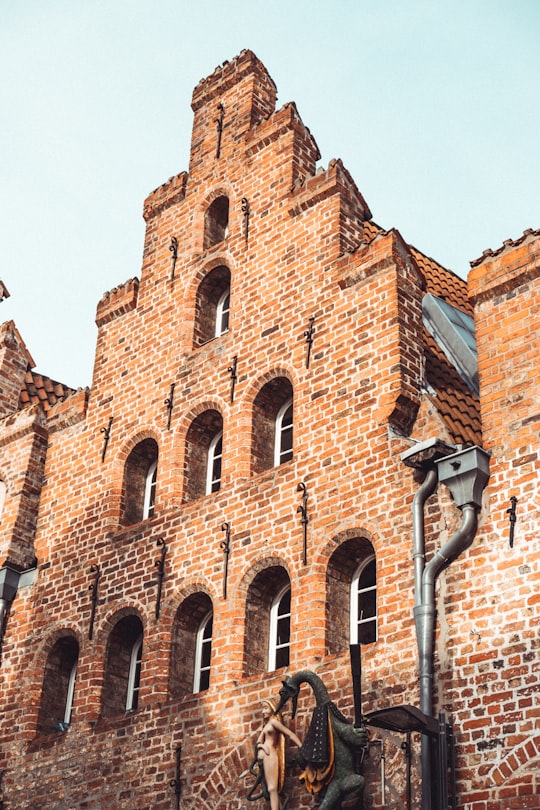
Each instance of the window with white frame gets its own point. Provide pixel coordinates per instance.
(212, 306)
(272, 430)
(203, 456)
(283, 441)
(140, 477)
(363, 611)
(203, 654)
(213, 470)
(280, 630)
(58, 686)
(150, 491)
(122, 676)
(222, 313)
(134, 676)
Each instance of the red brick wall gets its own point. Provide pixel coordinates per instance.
(354, 414)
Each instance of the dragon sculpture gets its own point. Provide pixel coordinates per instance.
(330, 748)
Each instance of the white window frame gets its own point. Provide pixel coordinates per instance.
(150, 490)
(134, 677)
(275, 616)
(70, 694)
(279, 431)
(202, 641)
(213, 456)
(355, 620)
(223, 309)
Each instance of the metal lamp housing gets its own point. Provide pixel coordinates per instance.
(9, 582)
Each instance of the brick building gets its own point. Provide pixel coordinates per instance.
(258, 477)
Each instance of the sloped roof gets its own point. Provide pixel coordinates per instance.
(42, 390)
(457, 405)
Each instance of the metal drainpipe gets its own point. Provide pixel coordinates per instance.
(465, 473)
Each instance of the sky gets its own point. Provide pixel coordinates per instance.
(433, 107)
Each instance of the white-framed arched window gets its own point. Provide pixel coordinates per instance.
(134, 677)
(363, 609)
(283, 442)
(222, 313)
(280, 630)
(150, 490)
(203, 654)
(213, 465)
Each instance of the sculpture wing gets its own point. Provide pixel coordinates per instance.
(318, 751)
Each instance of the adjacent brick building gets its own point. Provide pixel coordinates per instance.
(238, 483)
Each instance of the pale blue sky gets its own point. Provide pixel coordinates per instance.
(434, 108)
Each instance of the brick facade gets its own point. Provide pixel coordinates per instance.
(295, 246)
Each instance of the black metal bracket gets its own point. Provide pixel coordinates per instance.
(219, 123)
(232, 371)
(302, 509)
(169, 404)
(511, 512)
(176, 783)
(94, 588)
(246, 211)
(173, 247)
(308, 334)
(160, 565)
(106, 436)
(225, 545)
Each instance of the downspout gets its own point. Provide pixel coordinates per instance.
(465, 473)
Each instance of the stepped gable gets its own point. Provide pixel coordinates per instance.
(43, 391)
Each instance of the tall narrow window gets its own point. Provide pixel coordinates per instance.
(213, 472)
(212, 306)
(203, 457)
(283, 442)
(351, 594)
(272, 431)
(203, 654)
(134, 676)
(58, 686)
(364, 604)
(140, 476)
(150, 491)
(280, 630)
(222, 313)
(216, 222)
(123, 667)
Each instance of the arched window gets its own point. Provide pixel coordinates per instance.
(364, 603)
(204, 448)
(134, 677)
(351, 595)
(123, 667)
(140, 476)
(272, 432)
(203, 652)
(268, 621)
(216, 222)
(283, 434)
(212, 306)
(280, 630)
(213, 466)
(191, 646)
(58, 686)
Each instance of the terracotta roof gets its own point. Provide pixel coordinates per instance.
(458, 406)
(42, 390)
